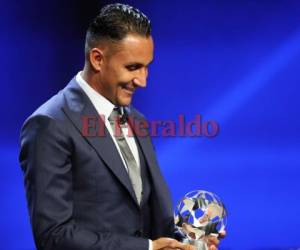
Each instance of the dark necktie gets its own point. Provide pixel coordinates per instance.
(133, 169)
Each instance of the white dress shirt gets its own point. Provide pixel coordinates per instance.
(104, 108)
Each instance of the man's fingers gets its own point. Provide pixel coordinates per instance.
(168, 243)
(183, 246)
(213, 240)
(171, 244)
(222, 234)
(163, 243)
(187, 247)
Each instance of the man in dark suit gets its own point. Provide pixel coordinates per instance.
(92, 190)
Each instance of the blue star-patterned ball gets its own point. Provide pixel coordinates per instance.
(200, 213)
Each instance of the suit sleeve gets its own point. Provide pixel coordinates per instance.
(45, 158)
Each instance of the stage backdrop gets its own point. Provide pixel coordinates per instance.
(235, 64)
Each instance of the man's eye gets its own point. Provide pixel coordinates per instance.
(132, 67)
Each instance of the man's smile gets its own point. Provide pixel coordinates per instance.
(128, 89)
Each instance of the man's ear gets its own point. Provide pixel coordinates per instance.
(96, 58)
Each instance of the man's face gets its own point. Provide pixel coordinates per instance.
(125, 68)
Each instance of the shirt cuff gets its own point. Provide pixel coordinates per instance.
(150, 245)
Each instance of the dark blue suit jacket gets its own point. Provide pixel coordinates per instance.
(78, 191)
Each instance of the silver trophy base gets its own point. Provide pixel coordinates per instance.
(199, 244)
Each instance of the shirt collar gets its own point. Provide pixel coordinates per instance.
(102, 105)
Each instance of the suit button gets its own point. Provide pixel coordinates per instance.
(138, 233)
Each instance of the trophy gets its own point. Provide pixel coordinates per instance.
(198, 215)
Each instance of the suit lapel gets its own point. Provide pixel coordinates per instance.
(79, 106)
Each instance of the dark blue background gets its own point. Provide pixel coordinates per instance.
(235, 62)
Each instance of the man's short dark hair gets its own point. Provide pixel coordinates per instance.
(114, 22)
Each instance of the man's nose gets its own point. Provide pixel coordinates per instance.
(140, 78)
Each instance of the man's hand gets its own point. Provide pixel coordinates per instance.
(213, 241)
(169, 244)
